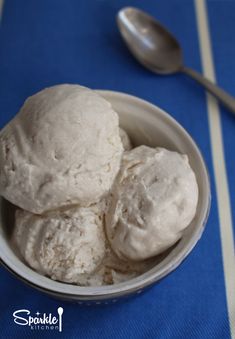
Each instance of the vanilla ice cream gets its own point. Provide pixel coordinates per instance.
(153, 200)
(91, 214)
(62, 148)
(70, 246)
(126, 141)
(114, 270)
(65, 245)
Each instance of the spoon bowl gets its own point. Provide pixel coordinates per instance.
(153, 46)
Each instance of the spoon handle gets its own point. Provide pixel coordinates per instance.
(220, 94)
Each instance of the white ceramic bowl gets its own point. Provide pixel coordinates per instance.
(146, 124)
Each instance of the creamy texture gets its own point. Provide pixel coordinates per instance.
(62, 148)
(65, 245)
(60, 162)
(126, 141)
(154, 199)
(115, 270)
(70, 246)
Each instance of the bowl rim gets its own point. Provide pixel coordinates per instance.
(136, 284)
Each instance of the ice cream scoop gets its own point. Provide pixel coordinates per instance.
(154, 198)
(62, 148)
(65, 245)
(71, 246)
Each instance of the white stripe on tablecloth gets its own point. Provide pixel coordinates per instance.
(1, 7)
(224, 208)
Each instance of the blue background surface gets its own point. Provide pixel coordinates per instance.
(46, 42)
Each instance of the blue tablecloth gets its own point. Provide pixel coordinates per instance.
(47, 42)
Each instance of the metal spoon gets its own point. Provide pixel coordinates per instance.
(155, 48)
